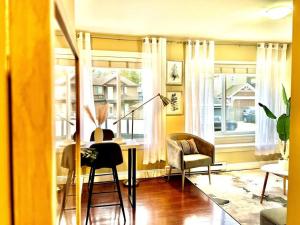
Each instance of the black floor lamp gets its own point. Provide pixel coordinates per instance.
(165, 102)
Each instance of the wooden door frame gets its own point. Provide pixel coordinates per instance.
(5, 150)
(293, 206)
(31, 66)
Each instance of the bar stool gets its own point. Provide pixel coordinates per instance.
(108, 135)
(109, 156)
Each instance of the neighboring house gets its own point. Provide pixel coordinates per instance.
(104, 88)
(238, 99)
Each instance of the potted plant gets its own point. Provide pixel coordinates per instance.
(283, 125)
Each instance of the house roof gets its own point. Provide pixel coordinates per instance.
(111, 79)
(234, 89)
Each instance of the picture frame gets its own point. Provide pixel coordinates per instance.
(176, 105)
(174, 73)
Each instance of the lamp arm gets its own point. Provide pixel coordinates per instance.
(132, 111)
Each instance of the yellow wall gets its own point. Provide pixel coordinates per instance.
(232, 52)
(116, 43)
(294, 168)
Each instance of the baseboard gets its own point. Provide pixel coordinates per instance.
(144, 174)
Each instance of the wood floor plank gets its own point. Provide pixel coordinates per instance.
(158, 202)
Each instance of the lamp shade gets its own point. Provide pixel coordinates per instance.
(164, 100)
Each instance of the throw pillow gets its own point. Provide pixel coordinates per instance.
(188, 146)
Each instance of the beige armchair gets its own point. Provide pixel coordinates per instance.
(177, 158)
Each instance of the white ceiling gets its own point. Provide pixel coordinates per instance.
(229, 20)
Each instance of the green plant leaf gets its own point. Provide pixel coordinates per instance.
(288, 107)
(283, 127)
(284, 97)
(267, 111)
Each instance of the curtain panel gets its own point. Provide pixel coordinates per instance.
(270, 75)
(154, 82)
(199, 89)
(86, 85)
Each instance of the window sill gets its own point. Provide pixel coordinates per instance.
(234, 140)
(237, 147)
(228, 134)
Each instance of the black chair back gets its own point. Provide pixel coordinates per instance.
(109, 155)
(107, 135)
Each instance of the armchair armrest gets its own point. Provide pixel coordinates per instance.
(205, 148)
(175, 154)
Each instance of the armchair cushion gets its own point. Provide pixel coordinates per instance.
(196, 160)
(188, 146)
(203, 146)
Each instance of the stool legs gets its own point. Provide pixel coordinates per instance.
(90, 192)
(119, 191)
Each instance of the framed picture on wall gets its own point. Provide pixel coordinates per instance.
(174, 73)
(176, 105)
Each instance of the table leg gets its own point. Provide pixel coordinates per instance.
(132, 176)
(284, 185)
(264, 187)
(129, 173)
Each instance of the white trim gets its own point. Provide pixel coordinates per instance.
(240, 147)
(243, 98)
(63, 53)
(220, 62)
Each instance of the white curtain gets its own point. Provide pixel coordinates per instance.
(86, 87)
(270, 75)
(199, 89)
(154, 75)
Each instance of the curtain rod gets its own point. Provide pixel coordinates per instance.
(266, 45)
(171, 41)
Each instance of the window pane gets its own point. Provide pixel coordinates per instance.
(105, 91)
(131, 98)
(64, 94)
(240, 103)
(217, 102)
(104, 83)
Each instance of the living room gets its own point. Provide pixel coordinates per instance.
(213, 76)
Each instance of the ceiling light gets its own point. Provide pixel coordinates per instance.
(278, 12)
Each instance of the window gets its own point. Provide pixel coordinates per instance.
(98, 90)
(124, 90)
(234, 99)
(121, 89)
(111, 110)
(110, 93)
(64, 94)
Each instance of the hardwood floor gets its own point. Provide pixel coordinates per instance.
(158, 202)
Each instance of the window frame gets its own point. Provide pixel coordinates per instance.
(111, 57)
(231, 64)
